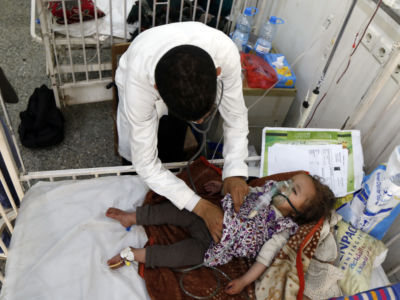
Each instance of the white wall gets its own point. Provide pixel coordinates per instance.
(303, 31)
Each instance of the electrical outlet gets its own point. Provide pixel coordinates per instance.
(396, 74)
(370, 38)
(382, 49)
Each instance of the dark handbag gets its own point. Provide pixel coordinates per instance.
(42, 123)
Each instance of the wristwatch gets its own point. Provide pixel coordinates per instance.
(127, 255)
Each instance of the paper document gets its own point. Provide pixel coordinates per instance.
(327, 161)
(349, 140)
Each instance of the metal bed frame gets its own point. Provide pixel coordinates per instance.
(75, 81)
(20, 180)
(73, 92)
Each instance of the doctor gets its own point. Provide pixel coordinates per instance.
(177, 69)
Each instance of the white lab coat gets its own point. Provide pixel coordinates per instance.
(141, 107)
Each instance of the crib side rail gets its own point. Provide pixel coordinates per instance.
(11, 186)
(9, 175)
(78, 55)
(104, 171)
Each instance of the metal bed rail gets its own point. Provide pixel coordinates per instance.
(16, 181)
(107, 171)
(79, 66)
(20, 181)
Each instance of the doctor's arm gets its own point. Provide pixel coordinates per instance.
(234, 112)
(212, 215)
(144, 122)
(165, 183)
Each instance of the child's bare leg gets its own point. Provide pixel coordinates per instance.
(117, 262)
(125, 218)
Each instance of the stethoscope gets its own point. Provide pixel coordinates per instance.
(203, 133)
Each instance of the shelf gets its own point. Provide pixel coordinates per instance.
(275, 92)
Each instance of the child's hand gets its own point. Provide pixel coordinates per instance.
(235, 286)
(212, 187)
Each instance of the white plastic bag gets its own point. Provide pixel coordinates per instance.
(376, 205)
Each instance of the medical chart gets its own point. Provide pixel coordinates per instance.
(327, 161)
(324, 162)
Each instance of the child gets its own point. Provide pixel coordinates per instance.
(308, 201)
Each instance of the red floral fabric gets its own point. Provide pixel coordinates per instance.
(72, 11)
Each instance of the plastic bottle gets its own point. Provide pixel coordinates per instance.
(243, 27)
(267, 34)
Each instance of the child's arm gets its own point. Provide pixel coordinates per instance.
(238, 284)
(266, 255)
(271, 247)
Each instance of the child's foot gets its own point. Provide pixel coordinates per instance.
(126, 219)
(212, 187)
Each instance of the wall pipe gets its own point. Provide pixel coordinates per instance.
(307, 104)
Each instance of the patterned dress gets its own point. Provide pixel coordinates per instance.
(242, 236)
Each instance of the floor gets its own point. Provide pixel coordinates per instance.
(89, 140)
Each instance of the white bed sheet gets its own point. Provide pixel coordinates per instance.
(118, 20)
(378, 278)
(62, 241)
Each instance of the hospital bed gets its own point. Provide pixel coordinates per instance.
(60, 220)
(78, 55)
(61, 239)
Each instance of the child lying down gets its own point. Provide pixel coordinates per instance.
(245, 234)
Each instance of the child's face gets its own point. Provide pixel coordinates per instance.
(303, 189)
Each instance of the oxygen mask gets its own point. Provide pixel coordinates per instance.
(282, 191)
(278, 194)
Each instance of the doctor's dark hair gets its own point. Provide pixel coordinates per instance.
(186, 79)
(321, 205)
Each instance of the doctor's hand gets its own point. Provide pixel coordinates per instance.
(238, 188)
(212, 216)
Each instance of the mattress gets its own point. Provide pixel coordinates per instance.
(62, 241)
